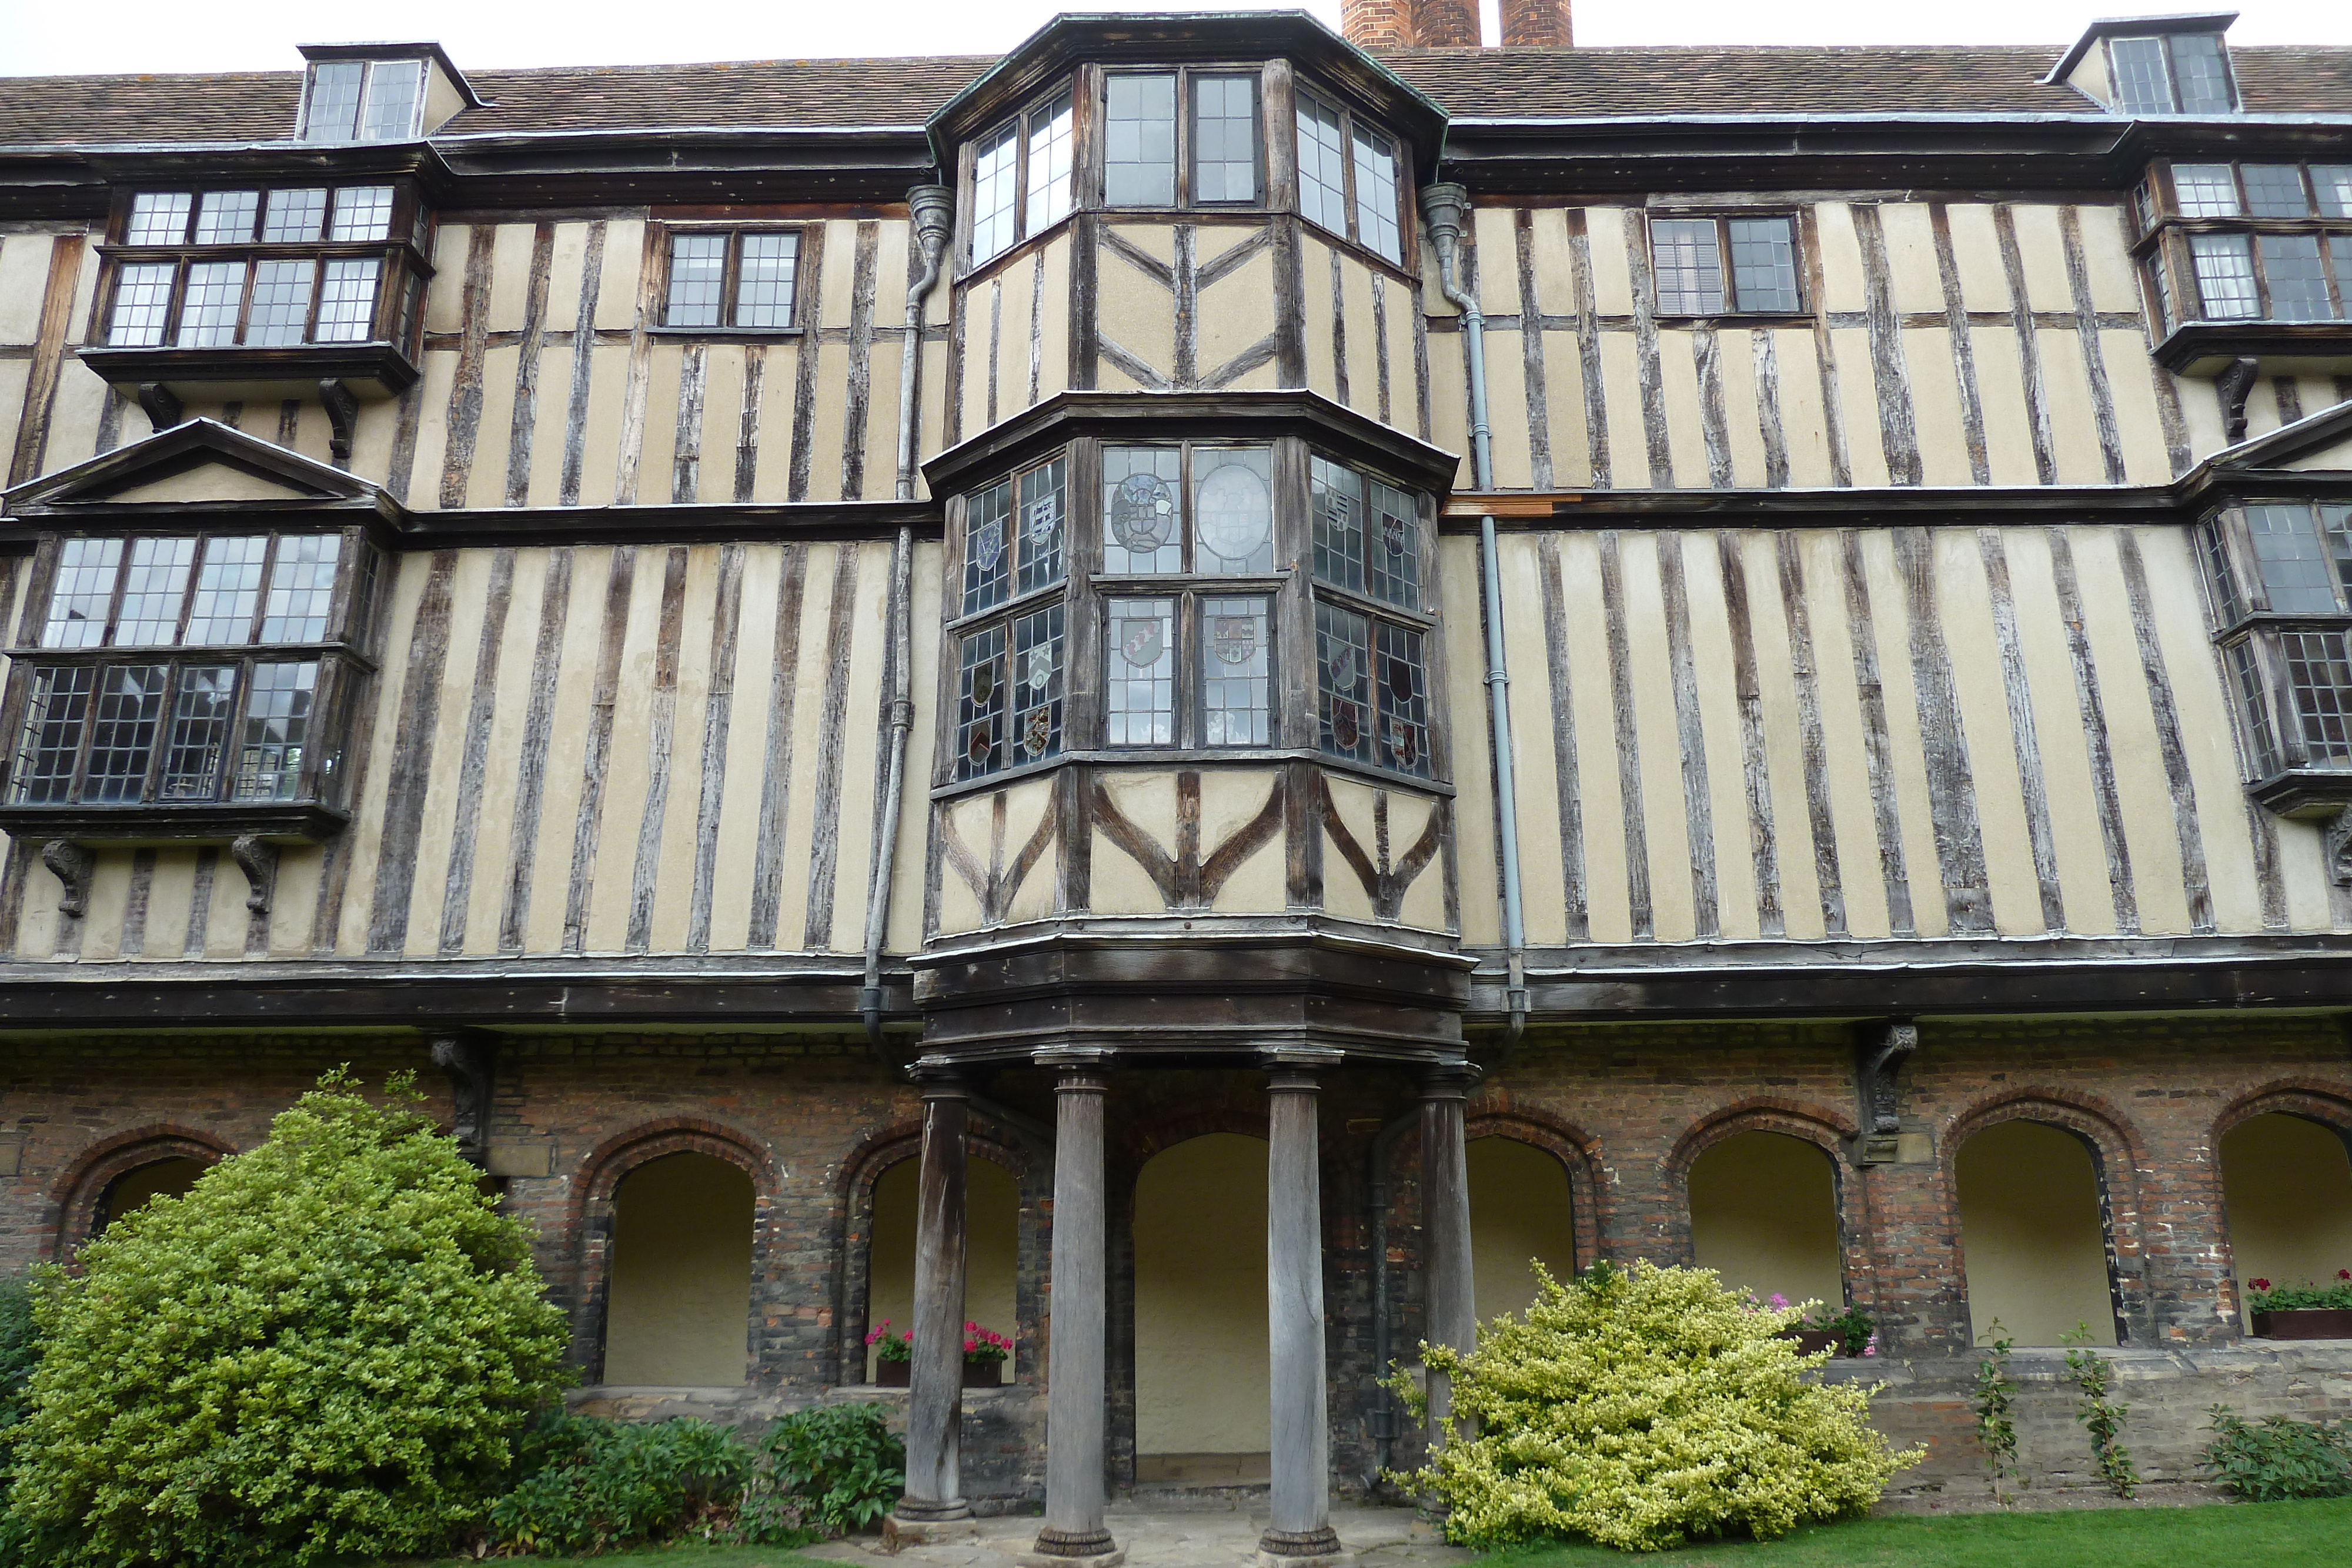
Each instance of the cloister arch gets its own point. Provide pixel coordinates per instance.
(1522, 1208)
(1198, 1235)
(123, 1171)
(2037, 1231)
(1765, 1214)
(992, 1249)
(2286, 1169)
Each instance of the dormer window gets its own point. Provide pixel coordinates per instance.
(2171, 73)
(364, 100)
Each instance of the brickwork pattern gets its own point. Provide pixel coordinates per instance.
(1537, 24)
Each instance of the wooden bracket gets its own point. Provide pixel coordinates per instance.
(2337, 838)
(258, 858)
(73, 865)
(160, 405)
(343, 414)
(1878, 1059)
(470, 1058)
(2235, 381)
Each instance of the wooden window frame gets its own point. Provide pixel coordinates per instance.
(2224, 543)
(1722, 218)
(2164, 245)
(2171, 67)
(731, 276)
(1406, 238)
(367, 91)
(1018, 122)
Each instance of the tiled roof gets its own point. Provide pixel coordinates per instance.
(1485, 83)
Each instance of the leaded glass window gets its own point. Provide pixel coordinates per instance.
(995, 184)
(1049, 166)
(2297, 278)
(1377, 222)
(2177, 73)
(734, 279)
(1687, 258)
(2225, 276)
(1224, 139)
(980, 704)
(1139, 688)
(364, 100)
(1322, 164)
(1236, 672)
(1140, 140)
(1343, 670)
(2275, 191)
(1340, 153)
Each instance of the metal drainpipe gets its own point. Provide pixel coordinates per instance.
(933, 211)
(1442, 211)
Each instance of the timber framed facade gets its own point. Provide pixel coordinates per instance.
(1188, 690)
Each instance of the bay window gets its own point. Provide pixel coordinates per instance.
(2247, 242)
(2278, 580)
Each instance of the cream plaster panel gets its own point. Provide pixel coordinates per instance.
(1201, 1354)
(1718, 712)
(372, 443)
(2145, 459)
(511, 248)
(1403, 388)
(1975, 255)
(812, 661)
(772, 481)
(1519, 1215)
(1039, 894)
(2067, 783)
(1841, 276)
(569, 718)
(2335, 455)
(2200, 410)
(1621, 376)
(168, 894)
(37, 918)
(2140, 785)
(1494, 235)
(628, 768)
(890, 275)
(746, 763)
(657, 449)
(862, 716)
(2043, 250)
(2073, 428)
(1905, 753)
(1851, 810)
(1343, 892)
(1776, 688)
(295, 902)
(227, 919)
(469, 585)
(1803, 426)
(2029, 1212)
(567, 264)
(1230, 800)
(109, 896)
(1763, 1215)
(1666, 818)
(1599, 804)
(1554, 267)
(1507, 398)
(1915, 280)
(1964, 610)
(2009, 422)
(1612, 277)
(1423, 904)
(1572, 453)
(445, 296)
(827, 430)
(879, 482)
(1735, 352)
(2311, 892)
(1316, 311)
(1449, 403)
(959, 908)
(681, 811)
(24, 282)
(2106, 256)
(836, 293)
(207, 482)
(1237, 313)
(1685, 438)
(1865, 441)
(1054, 338)
(1473, 804)
(485, 475)
(1024, 320)
(600, 432)
(1526, 653)
(401, 587)
(1356, 282)
(722, 420)
(1136, 313)
(503, 759)
(74, 420)
(906, 923)
(1935, 406)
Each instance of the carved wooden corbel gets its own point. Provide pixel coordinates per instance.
(258, 858)
(470, 1058)
(73, 865)
(160, 403)
(2337, 838)
(1878, 1059)
(2233, 384)
(342, 413)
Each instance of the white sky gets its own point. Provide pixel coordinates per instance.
(53, 36)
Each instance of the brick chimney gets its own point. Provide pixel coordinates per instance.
(1537, 25)
(1413, 23)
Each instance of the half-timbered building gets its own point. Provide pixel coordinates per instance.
(1189, 691)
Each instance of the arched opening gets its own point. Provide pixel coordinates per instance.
(1764, 1216)
(2032, 1235)
(135, 1190)
(1200, 1360)
(679, 1311)
(2286, 1183)
(992, 1251)
(1520, 1212)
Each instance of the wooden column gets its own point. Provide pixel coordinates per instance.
(1299, 1526)
(1074, 1531)
(935, 1408)
(1446, 1220)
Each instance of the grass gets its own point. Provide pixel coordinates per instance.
(2270, 1534)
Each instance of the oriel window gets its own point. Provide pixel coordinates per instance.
(1348, 181)
(2278, 578)
(1022, 178)
(1010, 666)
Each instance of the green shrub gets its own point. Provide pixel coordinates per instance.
(590, 1485)
(840, 1466)
(2276, 1459)
(324, 1349)
(1642, 1408)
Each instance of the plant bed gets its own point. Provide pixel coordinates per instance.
(983, 1374)
(894, 1373)
(2308, 1310)
(2304, 1322)
(1813, 1341)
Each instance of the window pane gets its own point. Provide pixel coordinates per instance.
(2298, 281)
(979, 704)
(2253, 705)
(1232, 510)
(394, 89)
(83, 593)
(1041, 525)
(1140, 672)
(295, 216)
(281, 301)
(226, 218)
(142, 295)
(1322, 165)
(208, 313)
(334, 100)
(1391, 544)
(994, 174)
(347, 302)
(1141, 516)
(2225, 276)
(2159, 274)
(1764, 264)
(698, 269)
(363, 212)
(1376, 194)
(2140, 84)
(1236, 672)
(1224, 139)
(199, 733)
(301, 588)
(2275, 191)
(277, 728)
(1049, 164)
(2333, 182)
(2286, 551)
(1689, 266)
(1139, 142)
(228, 584)
(2340, 247)
(987, 553)
(159, 217)
(151, 592)
(1338, 497)
(1037, 685)
(122, 732)
(1401, 694)
(2206, 190)
(1343, 662)
(763, 289)
(2336, 528)
(2204, 79)
(2220, 584)
(2320, 683)
(56, 707)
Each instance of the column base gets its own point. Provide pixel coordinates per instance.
(1303, 1549)
(949, 1521)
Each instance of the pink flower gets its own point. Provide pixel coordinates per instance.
(1872, 1348)
(1779, 1302)
(880, 1332)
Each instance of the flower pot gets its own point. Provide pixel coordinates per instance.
(893, 1374)
(2304, 1322)
(1813, 1341)
(983, 1374)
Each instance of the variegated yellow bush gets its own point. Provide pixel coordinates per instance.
(1642, 1408)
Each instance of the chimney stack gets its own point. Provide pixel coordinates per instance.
(1537, 25)
(1379, 24)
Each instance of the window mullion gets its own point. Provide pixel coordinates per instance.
(79, 779)
(261, 597)
(1347, 169)
(150, 788)
(188, 593)
(731, 278)
(114, 598)
(1183, 138)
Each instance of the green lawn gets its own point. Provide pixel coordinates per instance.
(2249, 1535)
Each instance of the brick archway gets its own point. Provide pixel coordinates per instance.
(1827, 1129)
(82, 1186)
